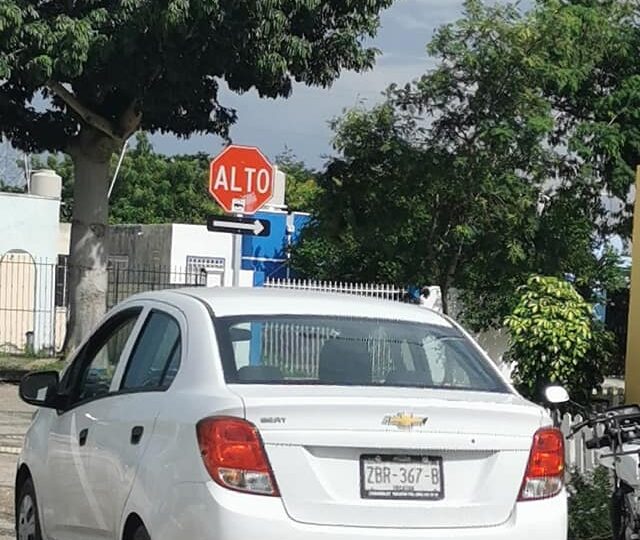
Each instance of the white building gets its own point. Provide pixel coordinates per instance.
(28, 255)
(184, 254)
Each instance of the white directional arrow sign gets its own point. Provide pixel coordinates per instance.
(239, 225)
(254, 228)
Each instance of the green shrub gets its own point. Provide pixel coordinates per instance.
(554, 340)
(589, 496)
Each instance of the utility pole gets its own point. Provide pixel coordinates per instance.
(632, 372)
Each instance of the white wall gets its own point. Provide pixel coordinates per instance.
(29, 223)
(197, 241)
(64, 238)
(495, 343)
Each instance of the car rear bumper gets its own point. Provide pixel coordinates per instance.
(208, 512)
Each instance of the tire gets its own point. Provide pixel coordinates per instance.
(617, 516)
(620, 523)
(141, 534)
(27, 520)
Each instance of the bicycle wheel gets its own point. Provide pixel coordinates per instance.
(621, 525)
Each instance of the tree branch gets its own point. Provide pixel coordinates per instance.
(130, 120)
(94, 120)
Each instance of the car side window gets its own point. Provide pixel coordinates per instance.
(101, 358)
(156, 355)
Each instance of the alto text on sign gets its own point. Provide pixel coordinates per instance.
(241, 179)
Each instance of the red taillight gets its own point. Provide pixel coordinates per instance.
(234, 456)
(544, 477)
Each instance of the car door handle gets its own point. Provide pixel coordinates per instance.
(136, 434)
(82, 437)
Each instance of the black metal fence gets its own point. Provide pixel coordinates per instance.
(125, 281)
(34, 298)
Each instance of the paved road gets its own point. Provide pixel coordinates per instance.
(14, 421)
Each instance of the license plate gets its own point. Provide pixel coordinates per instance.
(401, 477)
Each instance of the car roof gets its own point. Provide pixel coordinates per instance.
(230, 302)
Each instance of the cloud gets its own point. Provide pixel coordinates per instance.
(425, 15)
(301, 122)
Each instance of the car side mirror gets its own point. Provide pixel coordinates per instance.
(40, 389)
(556, 395)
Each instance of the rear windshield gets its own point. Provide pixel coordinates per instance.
(350, 352)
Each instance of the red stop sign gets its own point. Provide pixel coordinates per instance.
(241, 179)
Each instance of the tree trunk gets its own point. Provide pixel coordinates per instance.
(444, 290)
(91, 154)
(447, 280)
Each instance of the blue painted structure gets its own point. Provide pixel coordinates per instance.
(267, 256)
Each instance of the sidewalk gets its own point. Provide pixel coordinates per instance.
(15, 417)
(7, 474)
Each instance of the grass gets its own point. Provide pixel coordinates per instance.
(30, 363)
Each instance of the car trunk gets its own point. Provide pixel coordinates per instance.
(323, 442)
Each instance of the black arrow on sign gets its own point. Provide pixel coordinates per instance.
(239, 225)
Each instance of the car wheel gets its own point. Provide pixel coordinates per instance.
(141, 534)
(27, 522)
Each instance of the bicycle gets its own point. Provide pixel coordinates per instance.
(616, 437)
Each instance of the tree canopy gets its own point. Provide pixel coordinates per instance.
(478, 174)
(83, 76)
(302, 182)
(120, 66)
(587, 68)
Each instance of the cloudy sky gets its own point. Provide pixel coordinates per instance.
(300, 122)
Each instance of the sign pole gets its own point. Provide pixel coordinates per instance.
(632, 371)
(237, 257)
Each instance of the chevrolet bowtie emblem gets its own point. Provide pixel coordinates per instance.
(404, 421)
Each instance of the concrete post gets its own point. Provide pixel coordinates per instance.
(632, 373)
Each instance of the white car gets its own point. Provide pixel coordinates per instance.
(231, 414)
